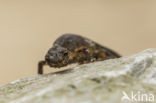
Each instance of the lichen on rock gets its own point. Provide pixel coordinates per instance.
(99, 82)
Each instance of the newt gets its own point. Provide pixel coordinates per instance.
(72, 48)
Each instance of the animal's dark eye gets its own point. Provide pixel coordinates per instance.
(82, 50)
(65, 54)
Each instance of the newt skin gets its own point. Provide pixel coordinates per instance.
(71, 48)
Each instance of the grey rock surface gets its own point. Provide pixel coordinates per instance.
(124, 80)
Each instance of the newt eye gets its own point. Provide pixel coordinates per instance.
(65, 54)
(82, 50)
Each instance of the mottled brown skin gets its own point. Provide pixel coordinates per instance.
(71, 48)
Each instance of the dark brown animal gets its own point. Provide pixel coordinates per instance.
(71, 48)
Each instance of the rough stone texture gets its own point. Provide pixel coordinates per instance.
(99, 82)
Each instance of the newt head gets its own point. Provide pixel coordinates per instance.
(57, 56)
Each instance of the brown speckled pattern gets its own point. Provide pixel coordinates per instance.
(71, 48)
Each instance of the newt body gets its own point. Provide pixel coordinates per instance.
(71, 48)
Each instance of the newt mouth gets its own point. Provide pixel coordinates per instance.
(58, 65)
